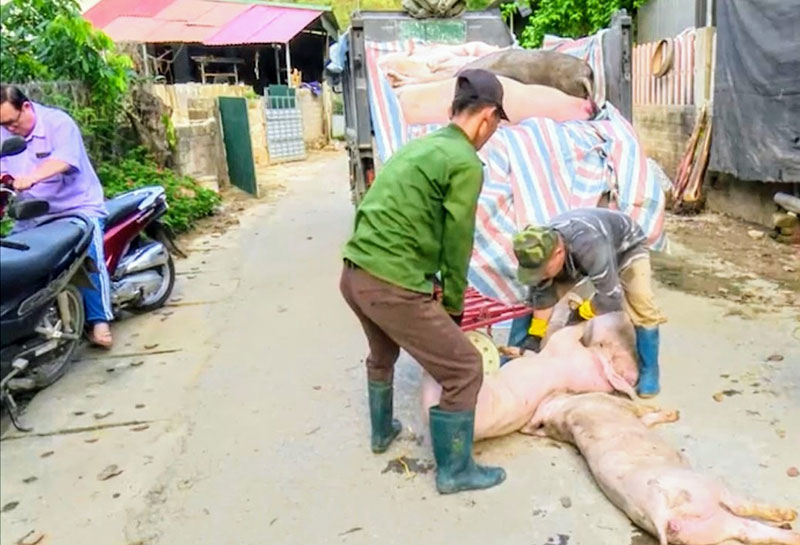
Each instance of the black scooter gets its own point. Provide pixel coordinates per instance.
(41, 308)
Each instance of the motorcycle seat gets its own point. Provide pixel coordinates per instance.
(123, 206)
(126, 204)
(51, 249)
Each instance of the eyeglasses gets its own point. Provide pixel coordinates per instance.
(9, 123)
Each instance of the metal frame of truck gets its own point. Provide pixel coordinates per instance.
(484, 26)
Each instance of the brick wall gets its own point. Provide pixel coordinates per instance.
(664, 132)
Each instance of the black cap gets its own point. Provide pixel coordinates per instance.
(480, 86)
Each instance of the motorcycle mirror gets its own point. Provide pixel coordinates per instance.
(25, 210)
(12, 146)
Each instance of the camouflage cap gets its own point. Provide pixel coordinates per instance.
(533, 246)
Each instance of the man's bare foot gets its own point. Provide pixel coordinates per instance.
(101, 335)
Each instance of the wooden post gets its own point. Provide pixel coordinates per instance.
(703, 73)
(277, 64)
(145, 61)
(288, 66)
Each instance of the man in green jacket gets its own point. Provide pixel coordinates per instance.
(417, 221)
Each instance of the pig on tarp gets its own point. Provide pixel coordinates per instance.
(650, 480)
(535, 83)
(429, 103)
(425, 63)
(597, 356)
(564, 72)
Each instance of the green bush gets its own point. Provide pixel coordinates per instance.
(569, 18)
(187, 200)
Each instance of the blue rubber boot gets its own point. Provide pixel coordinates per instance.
(647, 348)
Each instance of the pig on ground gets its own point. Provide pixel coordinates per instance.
(650, 480)
(508, 398)
(428, 103)
(564, 72)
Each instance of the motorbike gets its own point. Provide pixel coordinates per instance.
(137, 247)
(41, 309)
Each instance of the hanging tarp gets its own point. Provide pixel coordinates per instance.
(756, 133)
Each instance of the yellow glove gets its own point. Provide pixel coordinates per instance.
(538, 328)
(585, 310)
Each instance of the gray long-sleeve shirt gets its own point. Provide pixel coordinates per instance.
(599, 242)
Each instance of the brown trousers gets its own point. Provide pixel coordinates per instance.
(393, 317)
(639, 302)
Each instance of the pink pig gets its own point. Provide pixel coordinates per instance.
(508, 398)
(651, 481)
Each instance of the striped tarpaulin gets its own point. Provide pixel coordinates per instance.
(533, 171)
(590, 49)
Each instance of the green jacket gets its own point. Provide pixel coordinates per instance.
(418, 218)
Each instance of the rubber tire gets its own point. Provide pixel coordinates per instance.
(43, 380)
(141, 309)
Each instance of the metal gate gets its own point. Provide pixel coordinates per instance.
(236, 135)
(284, 124)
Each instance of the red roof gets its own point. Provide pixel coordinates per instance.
(198, 21)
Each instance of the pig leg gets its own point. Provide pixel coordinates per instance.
(651, 416)
(746, 508)
(758, 533)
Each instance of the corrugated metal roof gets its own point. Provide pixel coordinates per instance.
(104, 12)
(264, 24)
(198, 21)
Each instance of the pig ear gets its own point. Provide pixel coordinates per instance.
(615, 379)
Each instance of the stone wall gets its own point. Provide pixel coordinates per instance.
(664, 132)
(258, 131)
(747, 200)
(200, 151)
(315, 129)
(178, 96)
(195, 114)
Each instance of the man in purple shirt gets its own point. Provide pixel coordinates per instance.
(55, 167)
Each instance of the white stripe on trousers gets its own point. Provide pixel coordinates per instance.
(105, 287)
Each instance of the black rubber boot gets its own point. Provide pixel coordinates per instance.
(384, 427)
(452, 433)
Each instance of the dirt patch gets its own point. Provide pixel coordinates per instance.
(714, 256)
(406, 465)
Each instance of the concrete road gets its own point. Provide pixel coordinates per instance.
(237, 415)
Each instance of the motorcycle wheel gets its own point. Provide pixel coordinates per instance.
(157, 300)
(55, 363)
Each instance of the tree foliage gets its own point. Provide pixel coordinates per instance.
(49, 40)
(570, 18)
(46, 40)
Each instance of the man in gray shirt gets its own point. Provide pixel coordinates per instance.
(610, 249)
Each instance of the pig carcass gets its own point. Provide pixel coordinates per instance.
(566, 73)
(651, 481)
(424, 103)
(571, 361)
(423, 63)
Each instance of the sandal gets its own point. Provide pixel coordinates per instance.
(101, 335)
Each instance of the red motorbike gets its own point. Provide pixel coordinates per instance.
(137, 247)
